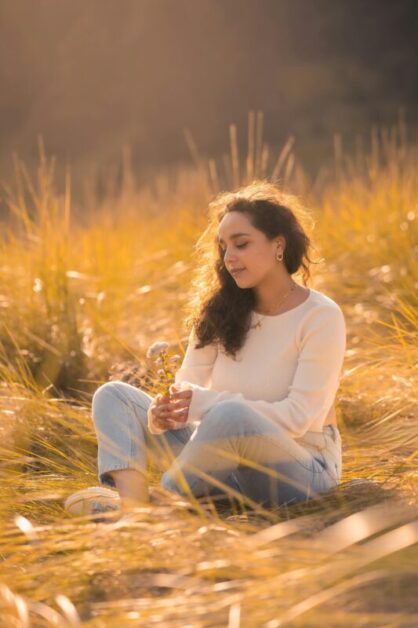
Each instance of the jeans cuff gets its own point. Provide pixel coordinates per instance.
(106, 479)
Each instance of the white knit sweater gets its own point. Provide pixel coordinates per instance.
(288, 369)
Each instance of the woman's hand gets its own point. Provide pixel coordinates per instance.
(165, 410)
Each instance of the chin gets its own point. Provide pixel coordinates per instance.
(239, 279)
(242, 283)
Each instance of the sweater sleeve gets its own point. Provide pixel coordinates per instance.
(312, 392)
(195, 370)
(197, 364)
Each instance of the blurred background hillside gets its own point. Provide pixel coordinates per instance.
(94, 76)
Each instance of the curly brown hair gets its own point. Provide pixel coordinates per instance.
(220, 311)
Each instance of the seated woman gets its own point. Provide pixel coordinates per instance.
(251, 412)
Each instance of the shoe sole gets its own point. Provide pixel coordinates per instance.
(81, 503)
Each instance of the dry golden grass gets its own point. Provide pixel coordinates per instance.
(81, 301)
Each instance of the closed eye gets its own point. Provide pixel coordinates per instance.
(239, 246)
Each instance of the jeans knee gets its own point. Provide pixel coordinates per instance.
(116, 399)
(102, 392)
(105, 397)
(227, 414)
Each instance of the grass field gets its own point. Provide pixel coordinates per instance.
(86, 289)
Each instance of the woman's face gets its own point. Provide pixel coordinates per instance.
(247, 250)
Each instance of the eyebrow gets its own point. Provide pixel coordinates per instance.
(235, 235)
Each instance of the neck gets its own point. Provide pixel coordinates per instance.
(271, 291)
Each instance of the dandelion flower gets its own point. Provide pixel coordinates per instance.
(156, 348)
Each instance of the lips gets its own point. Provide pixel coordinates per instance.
(237, 270)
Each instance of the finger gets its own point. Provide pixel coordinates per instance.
(162, 399)
(172, 414)
(178, 415)
(180, 404)
(165, 424)
(182, 417)
(173, 405)
(182, 394)
(176, 400)
(164, 416)
(162, 407)
(171, 411)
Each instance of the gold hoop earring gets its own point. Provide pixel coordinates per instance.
(279, 259)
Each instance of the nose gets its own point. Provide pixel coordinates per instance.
(228, 258)
(230, 263)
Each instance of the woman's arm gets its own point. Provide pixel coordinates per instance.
(315, 383)
(197, 364)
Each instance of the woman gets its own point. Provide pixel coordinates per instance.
(252, 409)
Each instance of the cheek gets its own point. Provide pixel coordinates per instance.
(260, 264)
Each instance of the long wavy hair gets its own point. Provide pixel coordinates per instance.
(220, 311)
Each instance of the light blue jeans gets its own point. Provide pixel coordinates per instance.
(233, 451)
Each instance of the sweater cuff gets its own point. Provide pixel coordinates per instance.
(202, 400)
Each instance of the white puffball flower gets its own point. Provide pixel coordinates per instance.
(156, 348)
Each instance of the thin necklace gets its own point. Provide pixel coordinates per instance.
(258, 323)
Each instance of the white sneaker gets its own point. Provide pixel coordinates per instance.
(92, 500)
